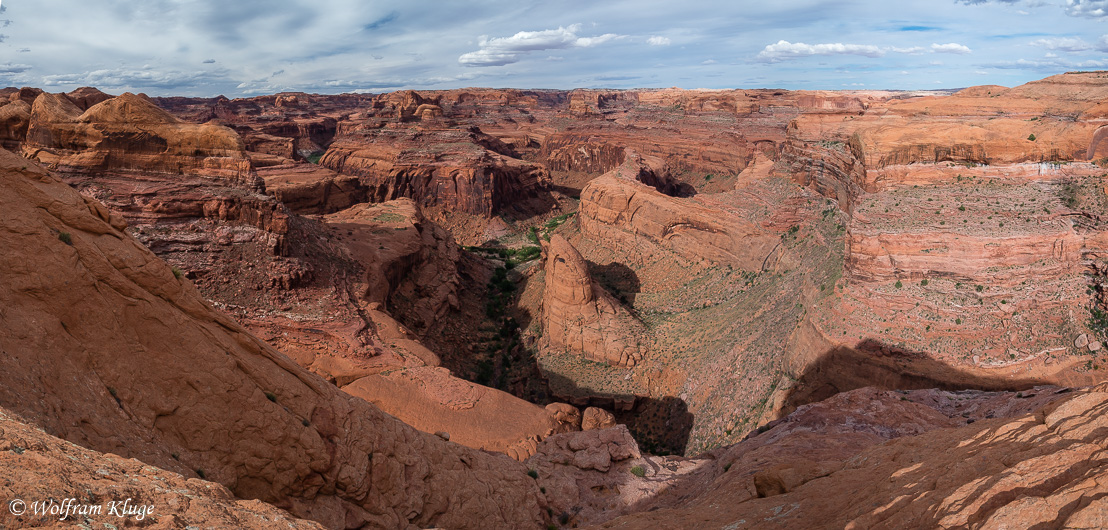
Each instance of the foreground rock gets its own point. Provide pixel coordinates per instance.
(41, 468)
(1008, 469)
(79, 289)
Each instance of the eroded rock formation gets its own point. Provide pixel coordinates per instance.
(580, 316)
(291, 439)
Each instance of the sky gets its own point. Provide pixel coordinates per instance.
(241, 48)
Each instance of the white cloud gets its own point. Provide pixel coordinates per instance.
(708, 61)
(658, 41)
(1087, 8)
(507, 50)
(914, 50)
(136, 79)
(788, 50)
(1064, 44)
(10, 68)
(950, 47)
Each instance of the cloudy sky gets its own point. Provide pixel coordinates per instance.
(248, 47)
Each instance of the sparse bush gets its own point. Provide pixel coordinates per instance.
(898, 284)
(177, 273)
(638, 471)
(66, 238)
(1031, 137)
(924, 282)
(533, 474)
(271, 396)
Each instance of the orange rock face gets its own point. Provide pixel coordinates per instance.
(445, 168)
(291, 438)
(129, 133)
(66, 479)
(1007, 469)
(618, 208)
(580, 317)
(432, 400)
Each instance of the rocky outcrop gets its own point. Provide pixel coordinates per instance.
(14, 119)
(102, 347)
(405, 256)
(451, 169)
(618, 209)
(581, 317)
(311, 189)
(128, 133)
(69, 482)
(432, 400)
(1008, 468)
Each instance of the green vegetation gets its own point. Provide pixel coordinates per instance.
(176, 272)
(554, 223)
(511, 256)
(271, 396)
(64, 237)
(314, 158)
(533, 474)
(1098, 321)
(924, 282)
(1031, 137)
(898, 284)
(638, 471)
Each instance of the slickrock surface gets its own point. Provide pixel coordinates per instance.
(432, 400)
(40, 468)
(1009, 469)
(103, 346)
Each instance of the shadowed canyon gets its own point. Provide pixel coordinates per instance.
(500, 308)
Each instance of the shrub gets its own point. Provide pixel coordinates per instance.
(533, 474)
(177, 273)
(64, 237)
(924, 282)
(1031, 137)
(271, 396)
(979, 288)
(638, 471)
(898, 284)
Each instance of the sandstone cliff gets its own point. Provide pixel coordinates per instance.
(581, 317)
(129, 133)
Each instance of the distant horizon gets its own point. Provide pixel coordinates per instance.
(205, 48)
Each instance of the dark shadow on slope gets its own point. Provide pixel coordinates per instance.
(871, 364)
(618, 279)
(876, 364)
(661, 426)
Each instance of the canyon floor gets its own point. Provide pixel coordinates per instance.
(498, 308)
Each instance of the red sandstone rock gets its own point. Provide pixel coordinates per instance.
(618, 208)
(124, 491)
(129, 133)
(106, 348)
(580, 317)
